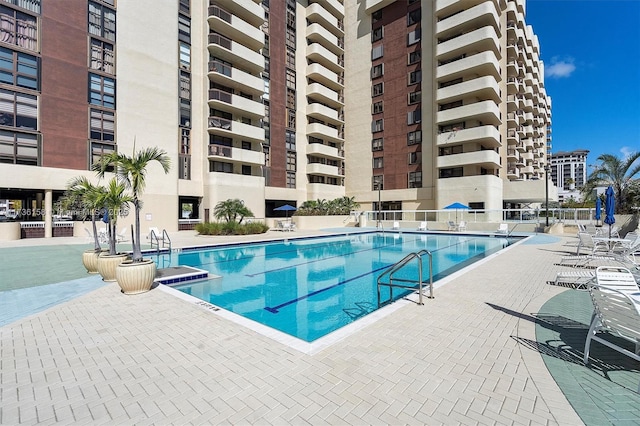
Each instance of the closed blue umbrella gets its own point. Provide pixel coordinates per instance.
(609, 208)
(598, 209)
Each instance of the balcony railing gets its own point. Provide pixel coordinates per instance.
(220, 150)
(219, 12)
(219, 67)
(220, 41)
(220, 123)
(219, 95)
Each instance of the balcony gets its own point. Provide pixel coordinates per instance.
(481, 15)
(232, 77)
(324, 170)
(228, 50)
(483, 88)
(332, 6)
(512, 137)
(235, 104)
(484, 63)
(322, 94)
(317, 13)
(322, 131)
(324, 113)
(325, 151)
(228, 128)
(247, 10)
(488, 136)
(487, 159)
(513, 155)
(373, 5)
(235, 28)
(321, 74)
(320, 54)
(485, 111)
(513, 85)
(236, 155)
(316, 33)
(513, 173)
(482, 39)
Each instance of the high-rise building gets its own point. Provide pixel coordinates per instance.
(569, 173)
(416, 103)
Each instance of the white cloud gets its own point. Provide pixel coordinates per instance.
(626, 151)
(559, 68)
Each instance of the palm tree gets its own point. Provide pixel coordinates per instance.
(132, 173)
(115, 200)
(230, 210)
(619, 173)
(81, 191)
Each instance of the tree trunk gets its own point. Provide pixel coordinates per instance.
(137, 252)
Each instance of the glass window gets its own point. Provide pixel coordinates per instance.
(414, 57)
(414, 97)
(102, 91)
(18, 28)
(185, 55)
(378, 162)
(19, 148)
(413, 17)
(377, 125)
(377, 144)
(377, 52)
(376, 16)
(377, 71)
(415, 179)
(414, 137)
(377, 107)
(102, 56)
(20, 69)
(377, 89)
(413, 37)
(102, 125)
(414, 117)
(18, 110)
(377, 34)
(102, 21)
(415, 77)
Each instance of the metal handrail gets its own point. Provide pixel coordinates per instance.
(399, 265)
(156, 238)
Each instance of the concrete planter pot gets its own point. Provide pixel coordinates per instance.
(90, 260)
(107, 264)
(136, 277)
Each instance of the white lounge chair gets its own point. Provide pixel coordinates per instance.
(423, 226)
(595, 246)
(122, 235)
(462, 226)
(617, 313)
(576, 279)
(396, 225)
(503, 228)
(451, 226)
(616, 277)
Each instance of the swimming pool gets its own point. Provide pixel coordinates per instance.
(309, 287)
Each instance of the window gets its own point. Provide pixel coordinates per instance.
(377, 144)
(220, 167)
(414, 138)
(415, 179)
(102, 21)
(413, 37)
(291, 161)
(415, 77)
(377, 107)
(377, 126)
(291, 79)
(377, 182)
(291, 19)
(377, 34)
(185, 55)
(291, 98)
(184, 6)
(377, 52)
(102, 125)
(414, 117)
(414, 57)
(378, 162)
(413, 17)
(185, 141)
(185, 112)
(99, 149)
(265, 95)
(376, 16)
(18, 109)
(290, 40)
(34, 5)
(414, 157)
(377, 89)
(246, 170)
(18, 29)
(19, 148)
(291, 118)
(185, 85)
(290, 140)
(291, 58)
(449, 83)
(291, 180)
(454, 127)
(102, 56)
(184, 28)
(414, 97)
(477, 205)
(450, 105)
(452, 172)
(377, 71)
(19, 69)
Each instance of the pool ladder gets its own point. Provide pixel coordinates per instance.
(155, 240)
(403, 282)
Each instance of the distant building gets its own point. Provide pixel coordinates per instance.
(569, 173)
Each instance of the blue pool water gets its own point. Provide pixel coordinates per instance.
(310, 287)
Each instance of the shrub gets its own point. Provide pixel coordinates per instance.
(231, 228)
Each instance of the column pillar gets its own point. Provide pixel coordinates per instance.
(48, 211)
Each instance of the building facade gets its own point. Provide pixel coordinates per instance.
(416, 103)
(569, 173)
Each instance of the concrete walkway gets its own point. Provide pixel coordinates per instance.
(106, 358)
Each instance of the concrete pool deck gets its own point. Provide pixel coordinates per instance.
(469, 356)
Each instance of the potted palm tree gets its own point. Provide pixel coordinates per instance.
(82, 193)
(115, 201)
(136, 275)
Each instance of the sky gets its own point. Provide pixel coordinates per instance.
(591, 54)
